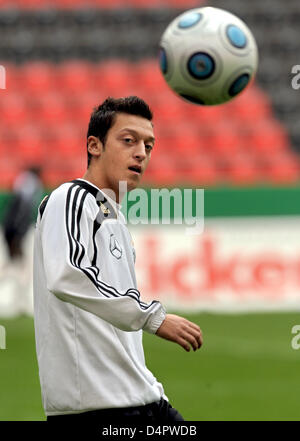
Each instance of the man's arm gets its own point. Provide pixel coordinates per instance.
(65, 233)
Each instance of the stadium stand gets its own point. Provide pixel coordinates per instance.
(110, 4)
(63, 60)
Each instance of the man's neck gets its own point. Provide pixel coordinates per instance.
(90, 177)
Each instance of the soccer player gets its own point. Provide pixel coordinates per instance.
(89, 316)
(18, 220)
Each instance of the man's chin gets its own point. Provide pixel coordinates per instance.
(133, 183)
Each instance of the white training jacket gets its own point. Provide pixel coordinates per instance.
(88, 315)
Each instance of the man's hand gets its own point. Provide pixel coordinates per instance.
(181, 331)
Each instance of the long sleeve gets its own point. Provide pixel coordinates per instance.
(67, 233)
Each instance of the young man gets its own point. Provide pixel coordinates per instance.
(89, 316)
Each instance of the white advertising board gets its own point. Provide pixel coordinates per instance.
(236, 264)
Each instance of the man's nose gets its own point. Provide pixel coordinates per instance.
(140, 151)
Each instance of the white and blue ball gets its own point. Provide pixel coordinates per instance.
(208, 56)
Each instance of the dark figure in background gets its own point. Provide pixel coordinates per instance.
(27, 194)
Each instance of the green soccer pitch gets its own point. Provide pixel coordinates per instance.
(246, 370)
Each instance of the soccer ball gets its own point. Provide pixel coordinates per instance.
(208, 56)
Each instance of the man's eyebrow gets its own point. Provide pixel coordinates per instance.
(126, 129)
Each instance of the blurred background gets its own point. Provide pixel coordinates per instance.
(240, 279)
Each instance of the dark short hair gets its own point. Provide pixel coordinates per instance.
(104, 115)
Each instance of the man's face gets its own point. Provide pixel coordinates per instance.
(127, 151)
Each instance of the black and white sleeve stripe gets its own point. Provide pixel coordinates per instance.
(75, 198)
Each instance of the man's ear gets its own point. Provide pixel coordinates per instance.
(95, 146)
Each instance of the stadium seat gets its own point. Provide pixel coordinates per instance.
(54, 176)
(66, 143)
(109, 3)
(149, 75)
(225, 141)
(269, 137)
(200, 171)
(146, 3)
(32, 4)
(283, 172)
(38, 77)
(51, 109)
(184, 4)
(250, 107)
(68, 4)
(4, 148)
(242, 170)
(113, 78)
(161, 171)
(75, 78)
(281, 167)
(81, 107)
(7, 175)
(13, 109)
(29, 145)
(186, 143)
(204, 116)
(52, 105)
(168, 112)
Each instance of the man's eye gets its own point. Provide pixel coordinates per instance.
(128, 140)
(149, 147)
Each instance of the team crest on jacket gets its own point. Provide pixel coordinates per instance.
(115, 247)
(104, 209)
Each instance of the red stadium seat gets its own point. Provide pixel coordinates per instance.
(167, 112)
(66, 143)
(13, 110)
(146, 3)
(4, 149)
(31, 4)
(161, 171)
(53, 176)
(38, 77)
(75, 77)
(206, 117)
(250, 107)
(269, 137)
(185, 143)
(200, 171)
(149, 75)
(109, 3)
(51, 109)
(184, 3)
(243, 170)
(68, 4)
(61, 171)
(225, 141)
(197, 144)
(29, 145)
(7, 175)
(114, 78)
(81, 107)
(282, 168)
